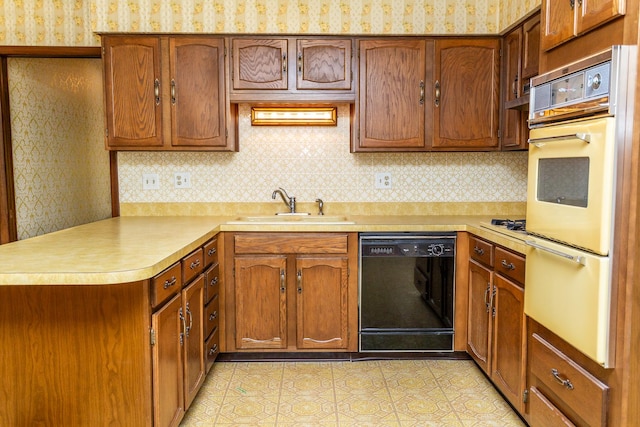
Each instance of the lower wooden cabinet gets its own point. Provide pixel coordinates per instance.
(292, 291)
(496, 329)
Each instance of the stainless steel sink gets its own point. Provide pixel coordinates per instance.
(292, 220)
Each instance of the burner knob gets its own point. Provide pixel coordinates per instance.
(436, 250)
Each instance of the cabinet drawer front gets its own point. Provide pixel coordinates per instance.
(166, 284)
(211, 316)
(211, 252)
(510, 265)
(544, 413)
(212, 349)
(578, 389)
(284, 243)
(192, 265)
(481, 251)
(211, 282)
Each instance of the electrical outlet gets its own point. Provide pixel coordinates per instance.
(150, 181)
(182, 179)
(383, 180)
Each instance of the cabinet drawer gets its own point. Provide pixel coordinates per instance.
(573, 385)
(211, 252)
(286, 243)
(192, 265)
(211, 316)
(166, 284)
(481, 251)
(510, 265)
(544, 413)
(212, 349)
(211, 282)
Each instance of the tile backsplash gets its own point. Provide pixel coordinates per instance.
(312, 162)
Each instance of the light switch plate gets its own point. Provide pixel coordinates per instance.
(150, 181)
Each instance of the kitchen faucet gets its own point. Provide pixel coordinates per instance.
(289, 201)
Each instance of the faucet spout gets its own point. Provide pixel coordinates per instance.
(290, 201)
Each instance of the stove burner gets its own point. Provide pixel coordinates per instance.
(510, 224)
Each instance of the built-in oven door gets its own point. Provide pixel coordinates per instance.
(569, 292)
(571, 183)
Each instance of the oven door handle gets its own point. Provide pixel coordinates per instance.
(539, 142)
(578, 259)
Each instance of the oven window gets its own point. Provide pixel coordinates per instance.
(564, 181)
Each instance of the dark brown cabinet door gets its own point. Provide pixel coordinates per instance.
(511, 87)
(167, 353)
(322, 303)
(133, 91)
(192, 308)
(197, 92)
(593, 13)
(530, 51)
(261, 302)
(259, 63)
(323, 64)
(393, 102)
(480, 310)
(467, 94)
(557, 20)
(509, 338)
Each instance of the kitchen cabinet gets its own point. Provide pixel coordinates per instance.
(466, 94)
(394, 109)
(177, 340)
(520, 60)
(496, 320)
(563, 390)
(166, 93)
(292, 69)
(566, 19)
(292, 291)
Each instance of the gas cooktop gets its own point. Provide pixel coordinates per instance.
(511, 227)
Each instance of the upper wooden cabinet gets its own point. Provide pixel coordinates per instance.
(466, 94)
(563, 20)
(291, 69)
(166, 93)
(394, 109)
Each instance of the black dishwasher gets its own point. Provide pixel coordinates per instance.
(406, 292)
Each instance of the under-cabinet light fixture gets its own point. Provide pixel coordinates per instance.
(294, 116)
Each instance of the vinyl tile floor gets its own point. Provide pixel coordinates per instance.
(348, 394)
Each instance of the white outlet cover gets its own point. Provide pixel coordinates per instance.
(383, 180)
(150, 181)
(182, 179)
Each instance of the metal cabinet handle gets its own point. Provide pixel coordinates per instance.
(514, 86)
(493, 308)
(572, 3)
(214, 281)
(284, 63)
(299, 281)
(421, 92)
(562, 381)
(213, 315)
(188, 328)
(173, 91)
(283, 287)
(579, 259)
(156, 90)
(184, 326)
(437, 93)
(478, 250)
(486, 292)
(213, 350)
(300, 62)
(508, 265)
(170, 282)
(195, 264)
(211, 251)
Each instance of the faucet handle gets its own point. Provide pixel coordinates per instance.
(320, 206)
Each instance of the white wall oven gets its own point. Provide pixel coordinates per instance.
(577, 120)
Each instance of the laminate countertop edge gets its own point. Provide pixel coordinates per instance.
(134, 248)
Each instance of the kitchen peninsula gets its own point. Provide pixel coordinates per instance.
(78, 307)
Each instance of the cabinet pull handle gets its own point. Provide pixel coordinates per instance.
(188, 328)
(284, 63)
(213, 350)
(170, 282)
(194, 264)
(214, 281)
(213, 315)
(514, 86)
(184, 326)
(493, 308)
(508, 265)
(299, 62)
(572, 3)
(299, 281)
(486, 292)
(283, 287)
(562, 381)
(173, 91)
(156, 90)
(211, 251)
(421, 92)
(437, 93)
(478, 250)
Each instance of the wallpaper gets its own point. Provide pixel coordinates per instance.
(74, 22)
(61, 169)
(312, 162)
